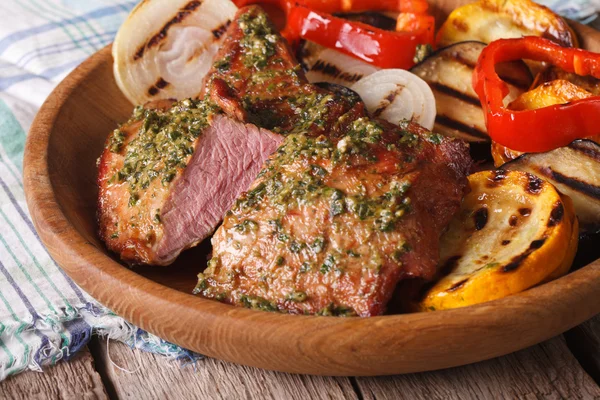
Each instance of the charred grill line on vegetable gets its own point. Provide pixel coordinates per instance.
(160, 84)
(457, 285)
(517, 261)
(162, 34)
(557, 214)
(572, 182)
(440, 87)
(217, 33)
(480, 217)
(453, 124)
(580, 146)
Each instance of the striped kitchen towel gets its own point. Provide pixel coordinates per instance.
(44, 316)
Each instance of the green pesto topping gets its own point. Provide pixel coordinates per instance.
(311, 110)
(223, 65)
(247, 226)
(422, 51)
(286, 192)
(258, 42)
(163, 145)
(434, 138)
(337, 311)
(328, 264)
(115, 143)
(257, 303)
(296, 297)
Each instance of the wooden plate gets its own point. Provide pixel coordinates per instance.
(63, 145)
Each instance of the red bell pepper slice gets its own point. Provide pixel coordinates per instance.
(332, 6)
(382, 48)
(545, 128)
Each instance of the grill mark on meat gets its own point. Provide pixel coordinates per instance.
(518, 260)
(217, 33)
(388, 100)
(534, 184)
(481, 218)
(162, 34)
(447, 90)
(557, 214)
(573, 183)
(459, 126)
(157, 87)
(333, 71)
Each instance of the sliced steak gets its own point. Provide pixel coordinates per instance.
(334, 223)
(347, 207)
(168, 176)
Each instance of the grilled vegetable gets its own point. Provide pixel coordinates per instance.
(329, 65)
(488, 20)
(165, 48)
(449, 73)
(396, 95)
(552, 73)
(542, 129)
(376, 46)
(513, 231)
(575, 171)
(550, 93)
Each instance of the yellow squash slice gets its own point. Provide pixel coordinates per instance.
(489, 20)
(513, 232)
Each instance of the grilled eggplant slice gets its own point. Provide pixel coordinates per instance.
(449, 72)
(513, 232)
(575, 171)
(489, 20)
(328, 65)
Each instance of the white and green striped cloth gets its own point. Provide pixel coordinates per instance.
(44, 316)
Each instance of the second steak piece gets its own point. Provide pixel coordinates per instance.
(334, 223)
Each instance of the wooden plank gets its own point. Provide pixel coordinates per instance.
(584, 342)
(160, 378)
(547, 371)
(72, 380)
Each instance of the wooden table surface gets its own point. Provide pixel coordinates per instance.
(567, 366)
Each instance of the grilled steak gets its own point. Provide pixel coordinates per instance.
(344, 209)
(168, 175)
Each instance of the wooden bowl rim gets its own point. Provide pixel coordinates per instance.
(80, 258)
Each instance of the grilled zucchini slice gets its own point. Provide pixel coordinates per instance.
(513, 231)
(489, 20)
(449, 72)
(575, 171)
